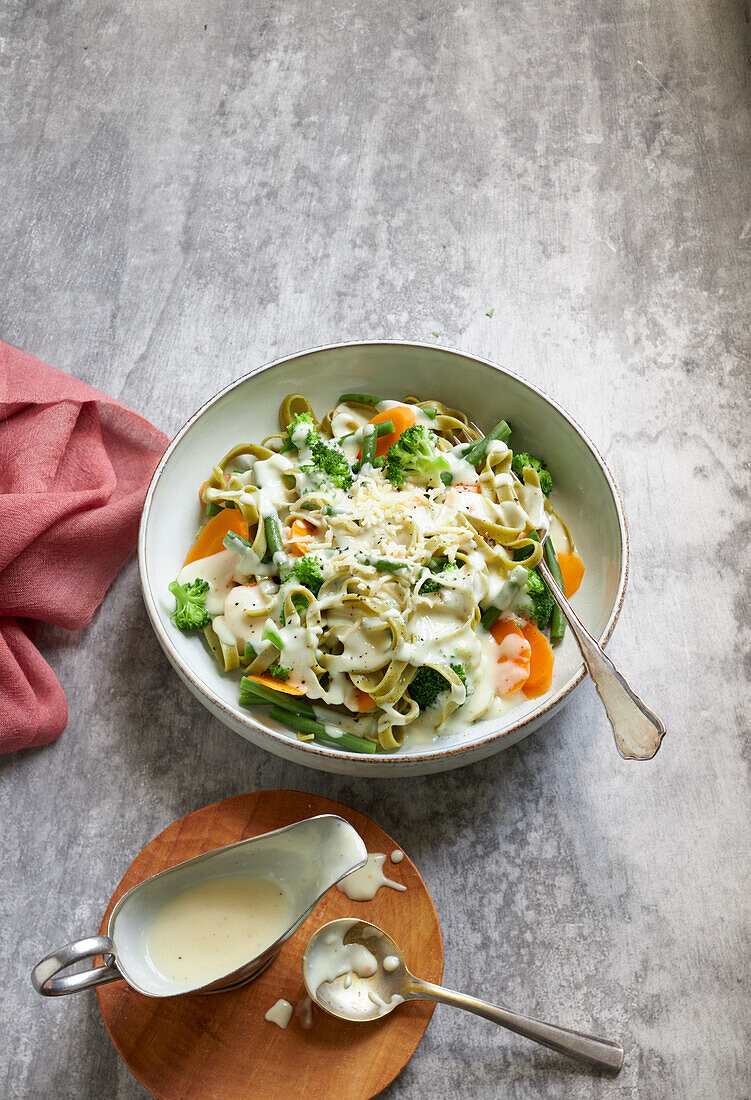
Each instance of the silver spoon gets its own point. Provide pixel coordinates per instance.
(637, 730)
(361, 1000)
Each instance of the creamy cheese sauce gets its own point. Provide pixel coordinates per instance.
(215, 927)
(363, 885)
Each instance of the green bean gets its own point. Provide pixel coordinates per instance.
(369, 441)
(273, 536)
(359, 399)
(557, 619)
(249, 653)
(255, 694)
(476, 451)
(347, 741)
(384, 566)
(212, 509)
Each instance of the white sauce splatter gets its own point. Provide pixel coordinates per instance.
(363, 885)
(279, 1013)
(397, 856)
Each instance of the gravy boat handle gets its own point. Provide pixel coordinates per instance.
(43, 975)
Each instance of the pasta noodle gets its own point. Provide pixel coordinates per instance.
(384, 625)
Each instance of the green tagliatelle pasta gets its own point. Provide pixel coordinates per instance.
(355, 570)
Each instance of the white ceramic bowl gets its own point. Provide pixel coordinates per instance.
(247, 411)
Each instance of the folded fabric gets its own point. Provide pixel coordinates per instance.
(74, 469)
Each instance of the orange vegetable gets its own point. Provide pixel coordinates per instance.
(541, 662)
(403, 417)
(301, 534)
(276, 685)
(210, 540)
(514, 659)
(363, 701)
(200, 491)
(572, 571)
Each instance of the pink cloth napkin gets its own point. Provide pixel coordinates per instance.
(74, 469)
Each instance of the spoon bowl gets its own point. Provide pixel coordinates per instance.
(352, 996)
(355, 971)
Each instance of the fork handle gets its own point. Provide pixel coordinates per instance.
(637, 730)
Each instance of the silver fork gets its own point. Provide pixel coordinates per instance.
(637, 730)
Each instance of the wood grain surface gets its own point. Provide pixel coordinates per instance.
(218, 1046)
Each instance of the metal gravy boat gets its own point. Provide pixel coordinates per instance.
(304, 859)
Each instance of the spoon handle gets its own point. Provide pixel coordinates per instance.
(600, 1053)
(637, 730)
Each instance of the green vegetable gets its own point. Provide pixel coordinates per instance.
(270, 635)
(360, 399)
(414, 454)
(476, 452)
(489, 616)
(557, 620)
(541, 599)
(369, 442)
(307, 570)
(428, 684)
(249, 653)
(273, 537)
(384, 566)
(278, 672)
(520, 461)
(212, 509)
(441, 565)
(348, 741)
(190, 612)
(329, 463)
(253, 694)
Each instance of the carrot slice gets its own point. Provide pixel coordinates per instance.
(210, 540)
(275, 685)
(513, 658)
(403, 417)
(541, 662)
(301, 534)
(200, 491)
(363, 701)
(572, 571)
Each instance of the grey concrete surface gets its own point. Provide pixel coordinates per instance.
(191, 189)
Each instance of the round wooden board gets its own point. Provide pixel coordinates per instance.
(218, 1046)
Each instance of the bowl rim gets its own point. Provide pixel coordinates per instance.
(393, 760)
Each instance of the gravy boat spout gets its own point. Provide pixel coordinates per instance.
(302, 861)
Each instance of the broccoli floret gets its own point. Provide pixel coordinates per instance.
(292, 428)
(428, 684)
(329, 464)
(308, 572)
(431, 585)
(190, 612)
(541, 599)
(278, 672)
(518, 463)
(413, 454)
